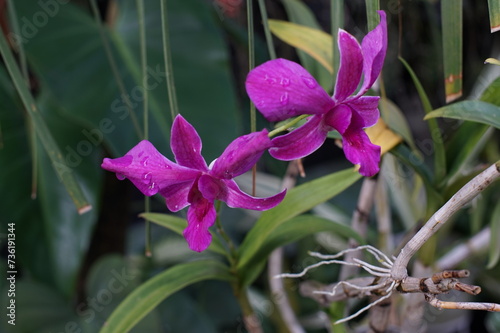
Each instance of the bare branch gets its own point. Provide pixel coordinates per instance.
(461, 198)
(432, 300)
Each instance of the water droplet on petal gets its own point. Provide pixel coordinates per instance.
(148, 178)
(284, 99)
(309, 82)
(144, 162)
(270, 80)
(120, 176)
(285, 82)
(176, 207)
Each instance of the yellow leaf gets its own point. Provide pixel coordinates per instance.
(316, 43)
(383, 136)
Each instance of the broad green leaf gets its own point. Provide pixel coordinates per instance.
(177, 225)
(297, 201)
(147, 296)
(476, 111)
(491, 94)
(316, 43)
(464, 146)
(470, 138)
(300, 13)
(40, 307)
(67, 177)
(452, 25)
(437, 140)
(494, 8)
(494, 252)
(77, 72)
(292, 230)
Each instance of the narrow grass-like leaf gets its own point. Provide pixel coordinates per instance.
(477, 111)
(494, 8)
(371, 13)
(177, 225)
(297, 201)
(494, 256)
(439, 153)
(316, 43)
(298, 12)
(289, 232)
(337, 22)
(167, 58)
(65, 173)
(452, 24)
(147, 296)
(267, 32)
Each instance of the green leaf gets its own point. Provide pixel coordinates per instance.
(439, 152)
(147, 296)
(494, 252)
(476, 111)
(316, 43)
(177, 225)
(297, 201)
(494, 8)
(67, 177)
(292, 230)
(77, 72)
(395, 119)
(300, 13)
(452, 24)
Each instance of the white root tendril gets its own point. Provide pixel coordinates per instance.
(377, 271)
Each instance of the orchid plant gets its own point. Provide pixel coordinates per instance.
(215, 225)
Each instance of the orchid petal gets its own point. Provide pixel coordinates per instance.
(350, 68)
(176, 196)
(148, 170)
(374, 48)
(367, 108)
(211, 188)
(281, 89)
(241, 155)
(339, 118)
(301, 141)
(359, 150)
(236, 198)
(201, 215)
(186, 145)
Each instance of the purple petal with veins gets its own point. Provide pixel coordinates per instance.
(281, 89)
(367, 108)
(201, 215)
(236, 198)
(148, 170)
(374, 48)
(241, 155)
(186, 145)
(301, 141)
(350, 68)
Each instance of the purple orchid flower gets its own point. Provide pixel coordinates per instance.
(281, 89)
(190, 182)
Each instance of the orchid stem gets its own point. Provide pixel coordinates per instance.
(232, 249)
(286, 126)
